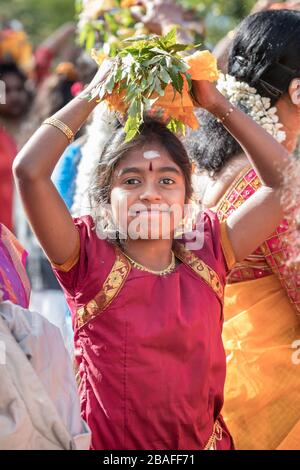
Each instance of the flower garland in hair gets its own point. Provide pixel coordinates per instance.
(149, 75)
(98, 132)
(258, 107)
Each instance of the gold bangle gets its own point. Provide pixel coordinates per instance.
(223, 118)
(61, 126)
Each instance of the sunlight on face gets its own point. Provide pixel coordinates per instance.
(150, 154)
(148, 194)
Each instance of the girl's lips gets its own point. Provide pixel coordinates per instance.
(152, 211)
(136, 212)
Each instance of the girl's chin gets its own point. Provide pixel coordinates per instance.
(145, 236)
(148, 233)
(149, 226)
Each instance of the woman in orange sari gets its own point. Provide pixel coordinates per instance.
(262, 296)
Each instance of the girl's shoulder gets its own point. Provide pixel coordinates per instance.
(209, 242)
(90, 263)
(90, 239)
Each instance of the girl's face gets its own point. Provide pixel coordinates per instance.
(148, 194)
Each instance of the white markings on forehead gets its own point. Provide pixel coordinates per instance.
(151, 154)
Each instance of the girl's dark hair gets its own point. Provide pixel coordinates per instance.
(266, 54)
(151, 131)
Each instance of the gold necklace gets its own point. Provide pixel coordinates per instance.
(165, 271)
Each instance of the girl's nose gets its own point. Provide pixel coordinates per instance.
(150, 193)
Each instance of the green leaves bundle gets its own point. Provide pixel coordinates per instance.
(149, 74)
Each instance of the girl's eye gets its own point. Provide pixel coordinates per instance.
(132, 181)
(167, 181)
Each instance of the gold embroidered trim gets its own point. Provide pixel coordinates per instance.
(200, 268)
(216, 435)
(118, 275)
(226, 246)
(224, 203)
(110, 289)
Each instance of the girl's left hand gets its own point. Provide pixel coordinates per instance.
(206, 95)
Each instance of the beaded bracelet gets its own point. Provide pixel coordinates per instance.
(61, 126)
(223, 118)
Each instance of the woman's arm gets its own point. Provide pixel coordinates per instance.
(258, 217)
(56, 42)
(33, 167)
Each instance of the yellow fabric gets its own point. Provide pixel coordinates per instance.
(227, 246)
(291, 442)
(262, 391)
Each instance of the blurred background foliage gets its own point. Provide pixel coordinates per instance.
(41, 17)
(220, 16)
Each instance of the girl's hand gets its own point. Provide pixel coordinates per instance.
(100, 77)
(206, 95)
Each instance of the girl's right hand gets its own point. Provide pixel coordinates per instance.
(100, 77)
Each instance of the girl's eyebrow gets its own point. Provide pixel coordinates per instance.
(131, 169)
(164, 169)
(168, 169)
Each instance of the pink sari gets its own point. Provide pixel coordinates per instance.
(8, 151)
(14, 283)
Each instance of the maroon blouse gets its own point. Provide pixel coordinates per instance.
(149, 351)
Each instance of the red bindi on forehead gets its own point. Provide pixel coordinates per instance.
(150, 166)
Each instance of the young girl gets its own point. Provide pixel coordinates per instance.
(147, 310)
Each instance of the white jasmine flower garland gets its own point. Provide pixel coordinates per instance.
(258, 107)
(98, 132)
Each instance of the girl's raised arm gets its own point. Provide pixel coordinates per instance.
(259, 216)
(33, 167)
